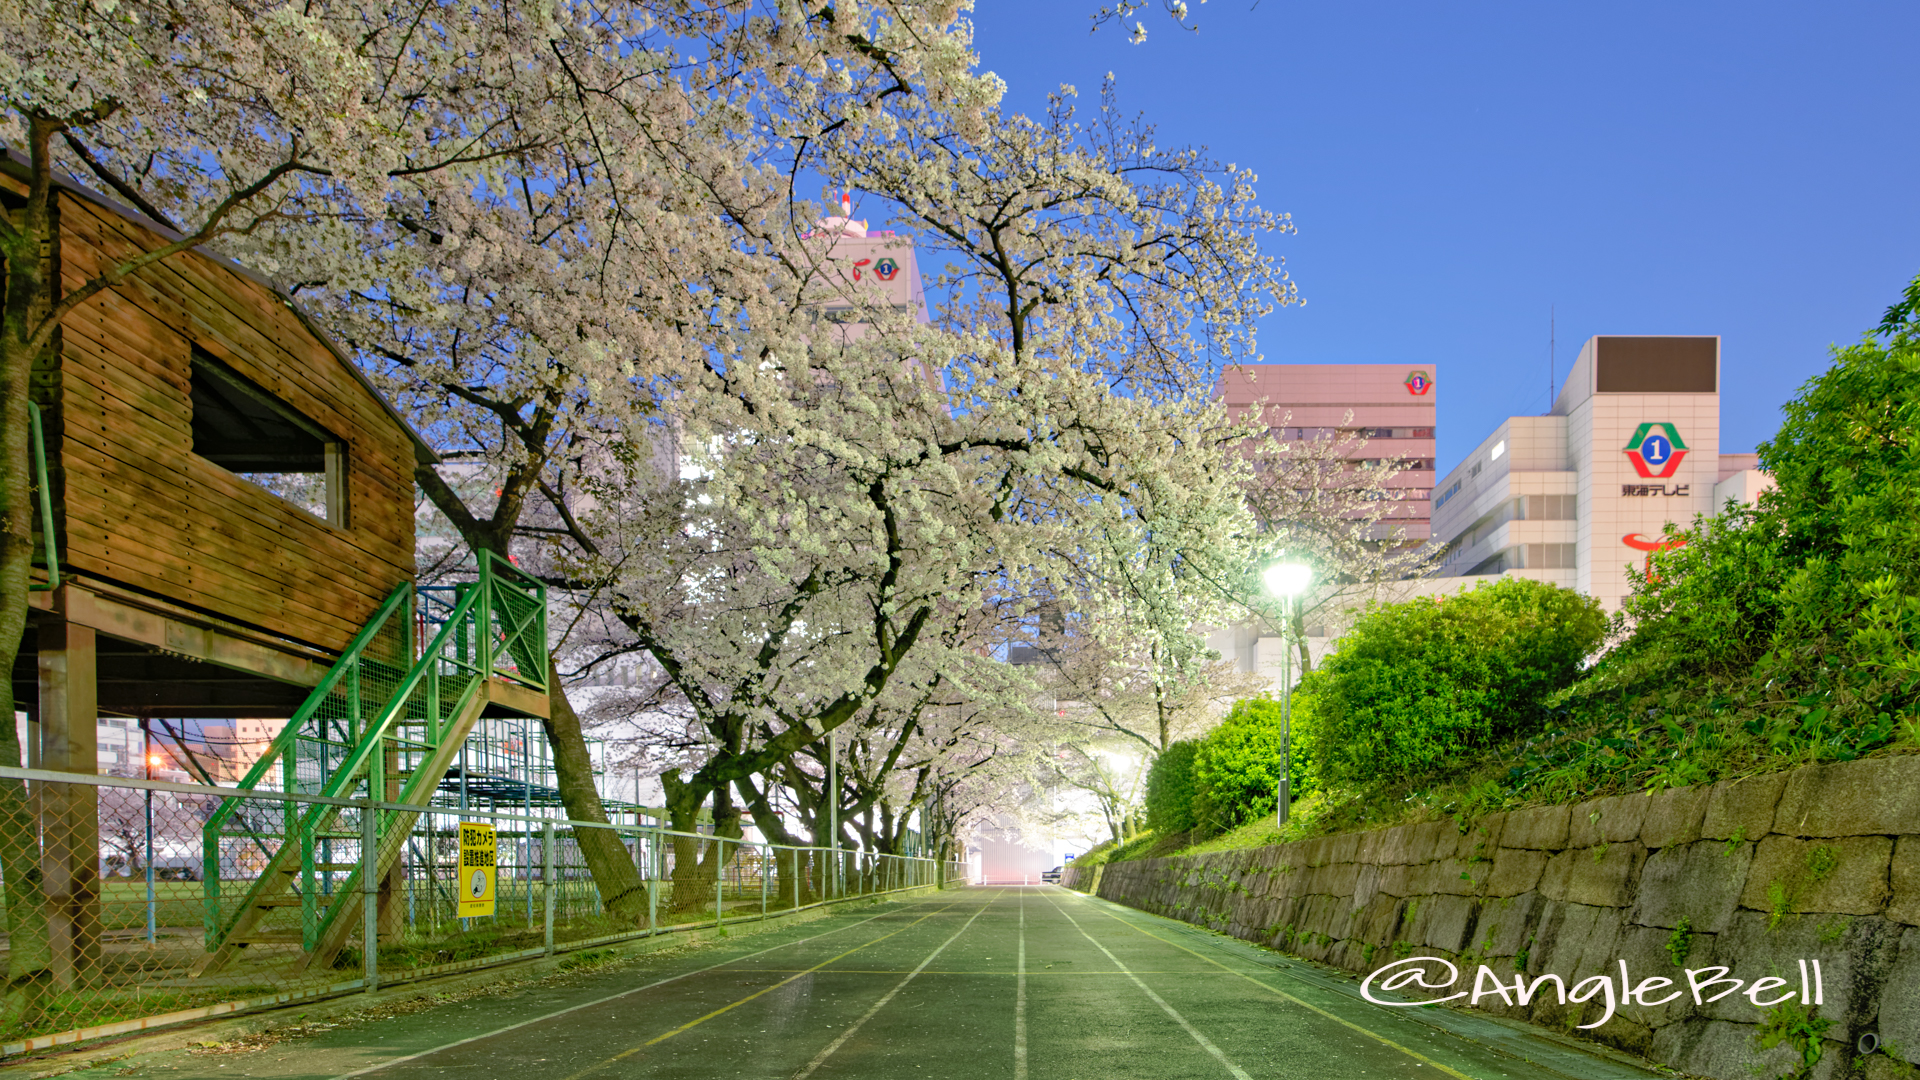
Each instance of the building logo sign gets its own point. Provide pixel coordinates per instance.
(885, 269)
(1656, 450)
(1652, 545)
(1418, 383)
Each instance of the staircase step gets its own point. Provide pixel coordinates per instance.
(270, 937)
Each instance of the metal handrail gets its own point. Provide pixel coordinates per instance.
(45, 487)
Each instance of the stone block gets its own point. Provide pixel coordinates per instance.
(1366, 882)
(1900, 999)
(1884, 1067)
(1845, 875)
(1855, 955)
(1583, 824)
(1600, 877)
(1904, 879)
(1454, 877)
(1742, 808)
(1445, 922)
(1731, 1051)
(1396, 846)
(1349, 954)
(1369, 847)
(1514, 871)
(1674, 817)
(1574, 941)
(1336, 879)
(1487, 830)
(1344, 848)
(1542, 828)
(1431, 840)
(1852, 798)
(1506, 926)
(1644, 949)
(1292, 856)
(1606, 821)
(1376, 922)
(1700, 882)
(1396, 880)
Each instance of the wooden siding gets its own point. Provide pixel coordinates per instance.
(141, 509)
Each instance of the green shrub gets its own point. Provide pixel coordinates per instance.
(1169, 796)
(1424, 686)
(1237, 767)
(1786, 631)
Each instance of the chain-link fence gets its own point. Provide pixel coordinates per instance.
(123, 910)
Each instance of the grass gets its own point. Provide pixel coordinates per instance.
(1496, 783)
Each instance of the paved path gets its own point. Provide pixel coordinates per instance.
(971, 984)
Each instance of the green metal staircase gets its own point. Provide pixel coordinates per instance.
(386, 723)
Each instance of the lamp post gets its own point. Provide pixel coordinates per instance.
(149, 759)
(1286, 580)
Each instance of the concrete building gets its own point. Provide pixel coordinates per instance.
(1392, 406)
(1578, 495)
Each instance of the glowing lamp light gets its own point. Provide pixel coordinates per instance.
(1287, 579)
(156, 759)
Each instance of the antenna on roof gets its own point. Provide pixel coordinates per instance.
(1551, 357)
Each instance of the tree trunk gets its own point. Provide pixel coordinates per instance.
(792, 883)
(622, 893)
(684, 800)
(30, 281)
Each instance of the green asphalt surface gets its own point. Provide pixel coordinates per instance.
(988, 982)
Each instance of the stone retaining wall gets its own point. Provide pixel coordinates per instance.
(1822, 863)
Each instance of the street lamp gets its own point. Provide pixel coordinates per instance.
(1286, 580)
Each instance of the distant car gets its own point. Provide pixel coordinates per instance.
(1051, 877)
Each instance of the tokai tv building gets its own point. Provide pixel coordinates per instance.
(1576, 496)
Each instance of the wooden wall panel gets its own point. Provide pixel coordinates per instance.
(142, 510)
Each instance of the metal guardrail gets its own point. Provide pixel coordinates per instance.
(120, 953)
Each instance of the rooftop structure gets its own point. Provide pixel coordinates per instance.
(1579, 495)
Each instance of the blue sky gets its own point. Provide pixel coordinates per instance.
(1455, 170)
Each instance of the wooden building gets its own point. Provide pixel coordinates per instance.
(231, 501)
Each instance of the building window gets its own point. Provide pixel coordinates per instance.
(241, 427)
(1550, 557)
(1551, 507)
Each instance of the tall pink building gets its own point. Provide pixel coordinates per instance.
(1391, 405)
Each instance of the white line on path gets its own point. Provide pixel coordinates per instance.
(599, 1001)
(820, 1058)
(1020, 999)
(1205, 1043)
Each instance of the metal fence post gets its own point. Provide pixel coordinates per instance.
(546, 878)
(654, 870)
(719, 878)
(766, 876)
(370, 895)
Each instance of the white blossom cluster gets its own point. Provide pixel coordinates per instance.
(574, 243)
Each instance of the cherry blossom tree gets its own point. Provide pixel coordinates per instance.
(1320, 500)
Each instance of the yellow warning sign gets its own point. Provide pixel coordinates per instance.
(478, 854)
